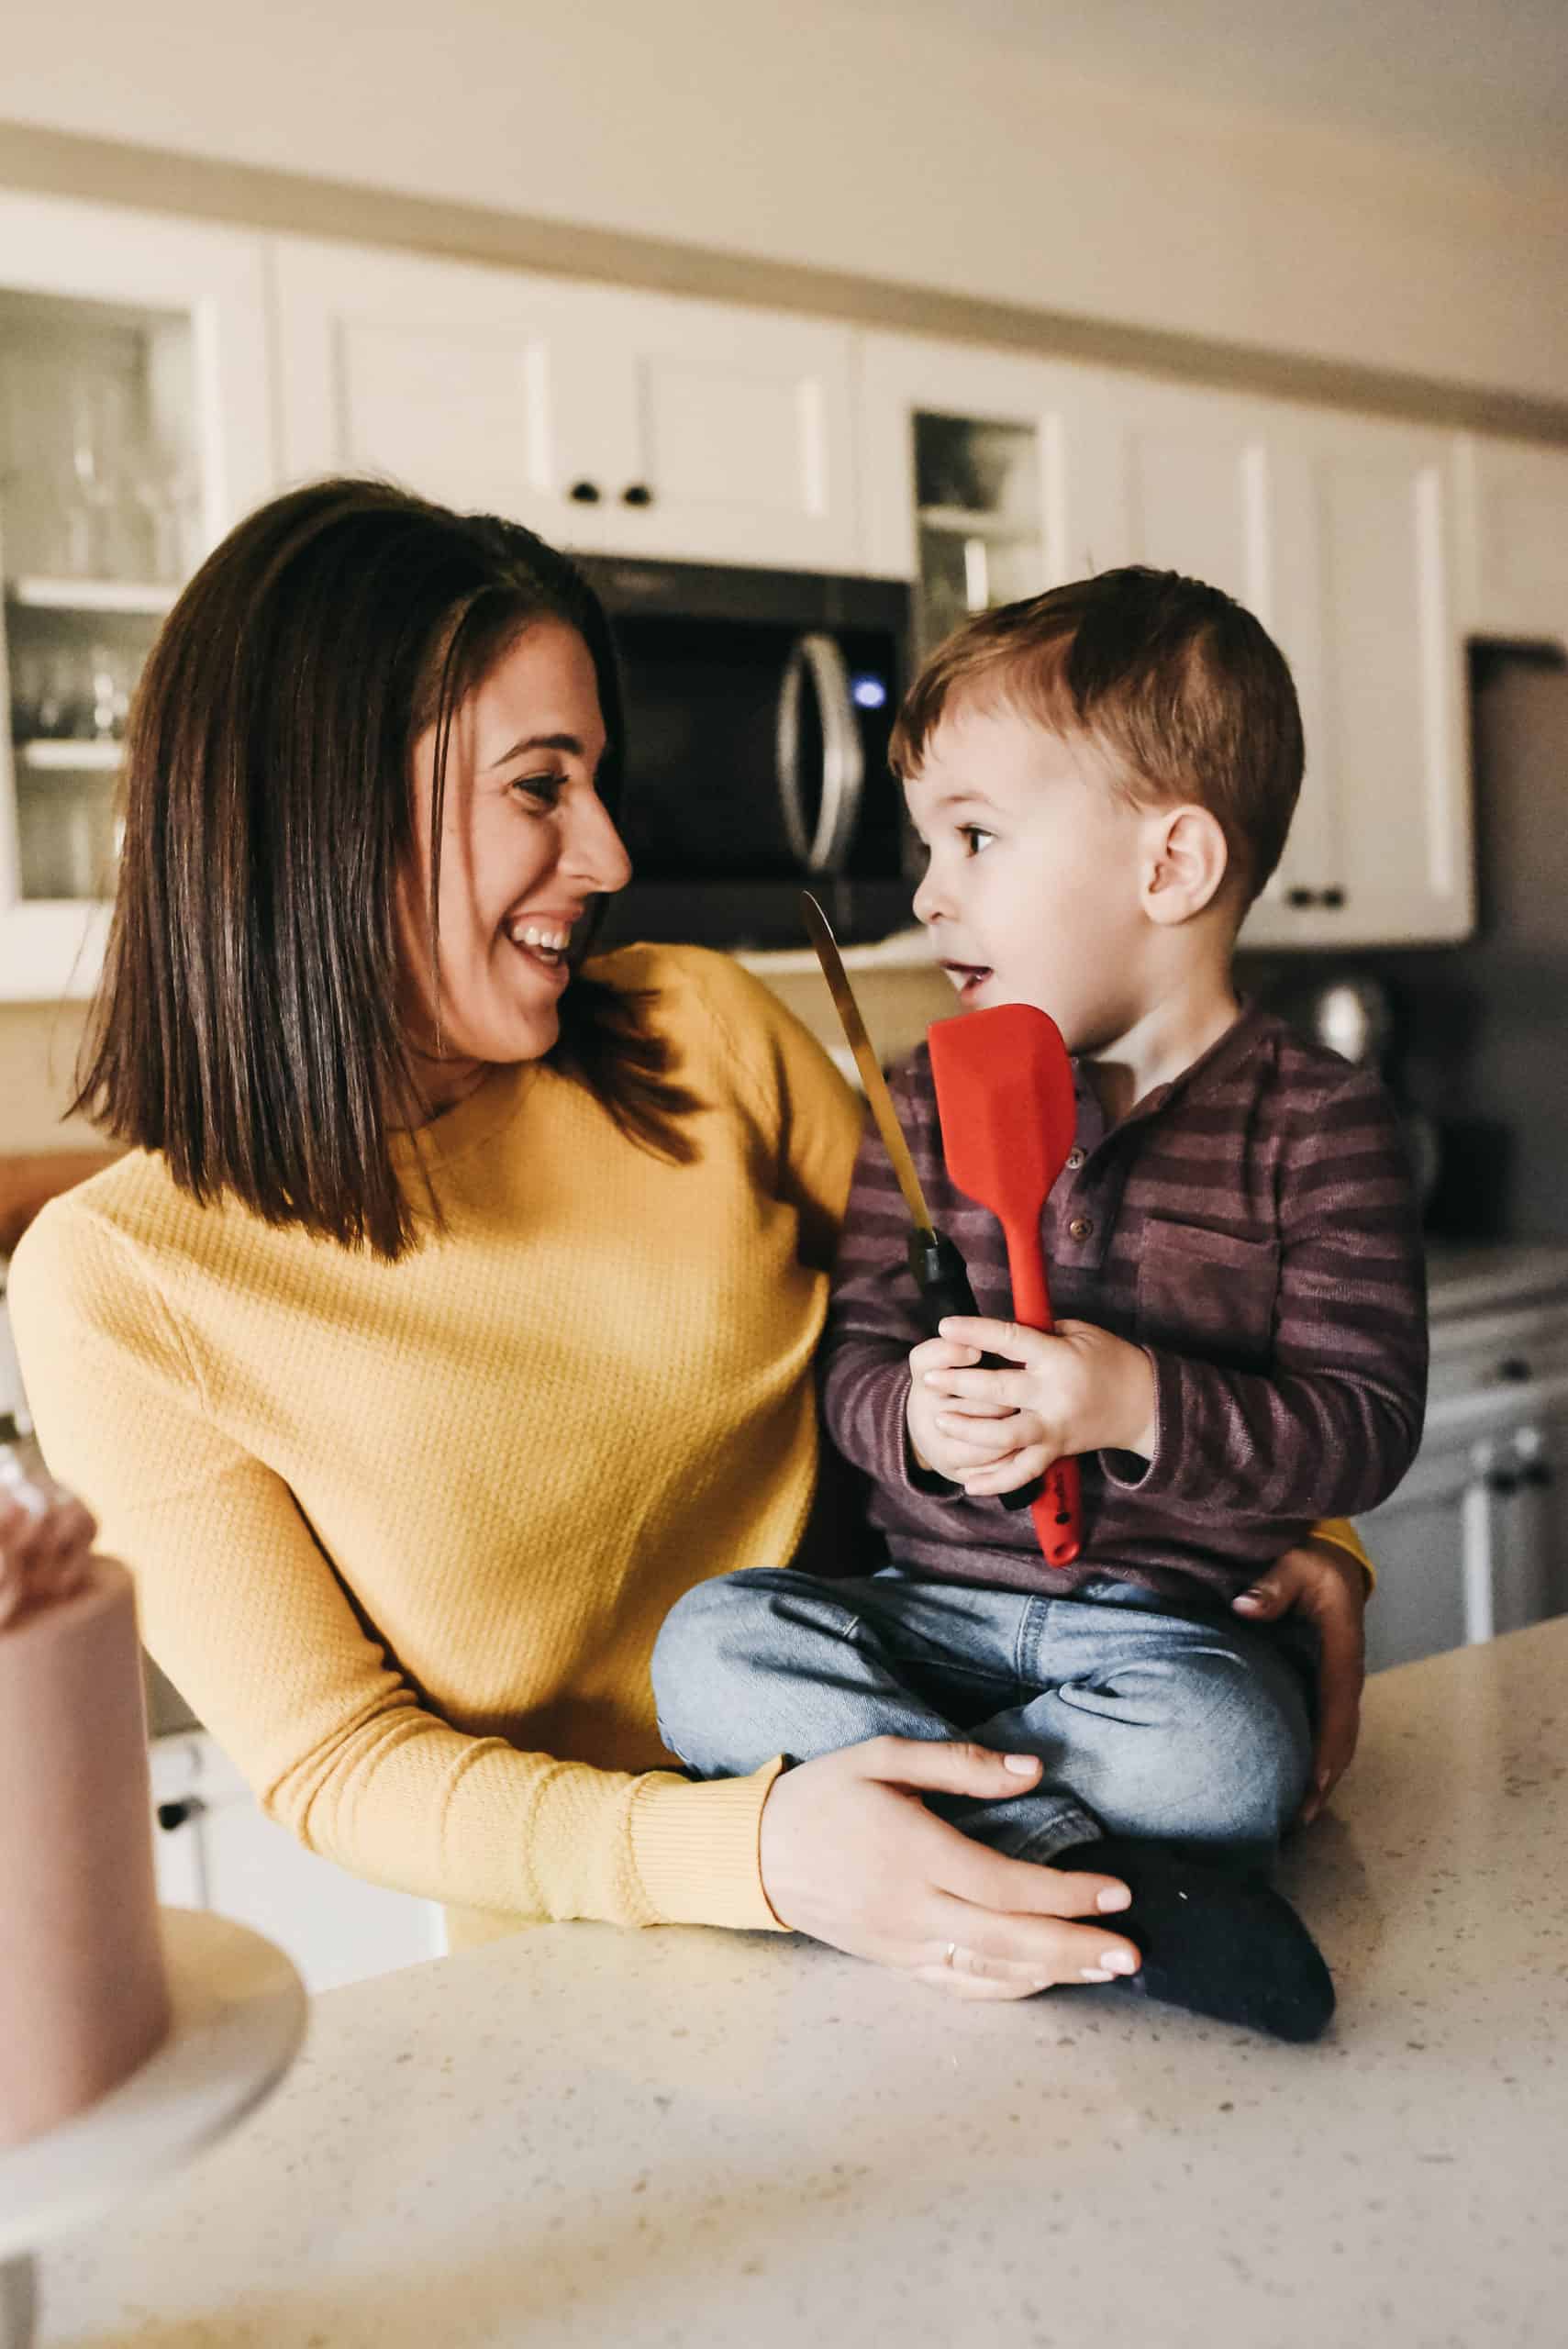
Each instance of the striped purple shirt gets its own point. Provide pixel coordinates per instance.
(1253, 1226)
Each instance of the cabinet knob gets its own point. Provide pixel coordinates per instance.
(173, 1815)
(638, 493)
(1502, 1483)
(1537, 1476)
(1514, 1371)
(1301, 896)
(1333, 899)
(584, 492)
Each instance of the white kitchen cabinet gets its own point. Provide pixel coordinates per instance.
(1474, 1542)
(1382, 852)
(1512, 509)
(611, 421)
(216, 1849)
(134, 428)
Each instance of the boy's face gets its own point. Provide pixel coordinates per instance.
(1032, 892)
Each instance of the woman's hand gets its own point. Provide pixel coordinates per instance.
(46, 1535)
(850, 1854)
(1327, 1586)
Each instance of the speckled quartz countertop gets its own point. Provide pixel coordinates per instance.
(587, 2137)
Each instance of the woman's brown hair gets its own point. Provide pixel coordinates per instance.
(249, 1023)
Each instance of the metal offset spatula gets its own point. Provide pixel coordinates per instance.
(1004, 1097)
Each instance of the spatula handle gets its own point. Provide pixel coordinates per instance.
(942, 1279)
(1058, 1510)
(1058, 1514)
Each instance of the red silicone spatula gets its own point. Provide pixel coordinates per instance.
(1004, 1097)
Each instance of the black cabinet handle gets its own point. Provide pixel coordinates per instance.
(1301, 896)
(638, 493)
(1514, 1371)
(1334, 898)
(1502, 1483)
(584, 492)
(1538, 1475)
(172, 1815)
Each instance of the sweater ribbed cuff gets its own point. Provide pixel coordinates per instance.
(695, 1848)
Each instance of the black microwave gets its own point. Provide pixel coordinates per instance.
(758, 706)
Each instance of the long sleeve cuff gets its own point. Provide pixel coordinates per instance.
(696, 1847)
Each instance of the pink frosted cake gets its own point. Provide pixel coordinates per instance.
(83, 1996)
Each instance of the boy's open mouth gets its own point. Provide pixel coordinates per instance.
(967, 976)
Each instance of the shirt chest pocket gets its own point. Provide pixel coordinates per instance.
(1207, 1293)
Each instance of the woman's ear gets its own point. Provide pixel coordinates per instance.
(1186, 863)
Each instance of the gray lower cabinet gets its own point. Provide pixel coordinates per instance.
(1474, 1542)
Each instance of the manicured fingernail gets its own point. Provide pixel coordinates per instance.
(1025, 1764)
(1119, 1961)
(1115, 1896)
(1247, 1599)
(1094, 1974)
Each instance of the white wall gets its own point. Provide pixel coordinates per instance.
(846, 139)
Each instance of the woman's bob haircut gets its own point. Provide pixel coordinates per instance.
(249, 1024)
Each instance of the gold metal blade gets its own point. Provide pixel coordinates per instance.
(859, 1043)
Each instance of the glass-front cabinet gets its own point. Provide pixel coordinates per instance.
(134, 428)
(969, 490)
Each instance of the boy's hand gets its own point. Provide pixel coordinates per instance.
(1076, 1389)
(948, 1443)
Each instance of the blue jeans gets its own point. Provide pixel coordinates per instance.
(1195, 1728)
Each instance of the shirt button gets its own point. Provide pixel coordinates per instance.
(1081, 1228)
(1074, 1158)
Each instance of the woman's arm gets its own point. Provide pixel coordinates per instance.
(242, 1608)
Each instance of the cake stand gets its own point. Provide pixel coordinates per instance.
(239, 2018)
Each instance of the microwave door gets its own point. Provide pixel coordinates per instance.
(822, 847)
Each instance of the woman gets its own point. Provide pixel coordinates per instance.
(454, 1309)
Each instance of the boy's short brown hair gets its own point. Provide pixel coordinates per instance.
(1185, 690)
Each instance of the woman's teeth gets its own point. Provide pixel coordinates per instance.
(538, 938)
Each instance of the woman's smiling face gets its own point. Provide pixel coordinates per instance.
(527, 844)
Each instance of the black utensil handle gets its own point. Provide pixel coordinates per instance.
(942, 1279)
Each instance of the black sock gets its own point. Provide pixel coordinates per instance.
(1222, 1944)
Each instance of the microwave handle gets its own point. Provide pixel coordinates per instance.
(843, 759)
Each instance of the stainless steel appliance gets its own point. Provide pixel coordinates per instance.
(758, 706)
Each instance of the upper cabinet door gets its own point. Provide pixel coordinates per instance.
(134, 428)
(735, 439)
(1513, 523)
(1182, 480)
(453, 380)
(1365, 529)
(610, 422)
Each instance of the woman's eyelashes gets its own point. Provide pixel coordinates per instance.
(543, 790)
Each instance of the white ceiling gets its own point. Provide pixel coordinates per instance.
(1482, 81)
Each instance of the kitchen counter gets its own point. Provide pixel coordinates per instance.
(582, 2136)
(1493, 1277)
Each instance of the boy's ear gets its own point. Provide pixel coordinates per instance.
(1186, 862)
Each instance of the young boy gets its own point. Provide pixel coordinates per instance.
(1104, 778)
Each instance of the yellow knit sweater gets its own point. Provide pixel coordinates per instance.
(404, 1534)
